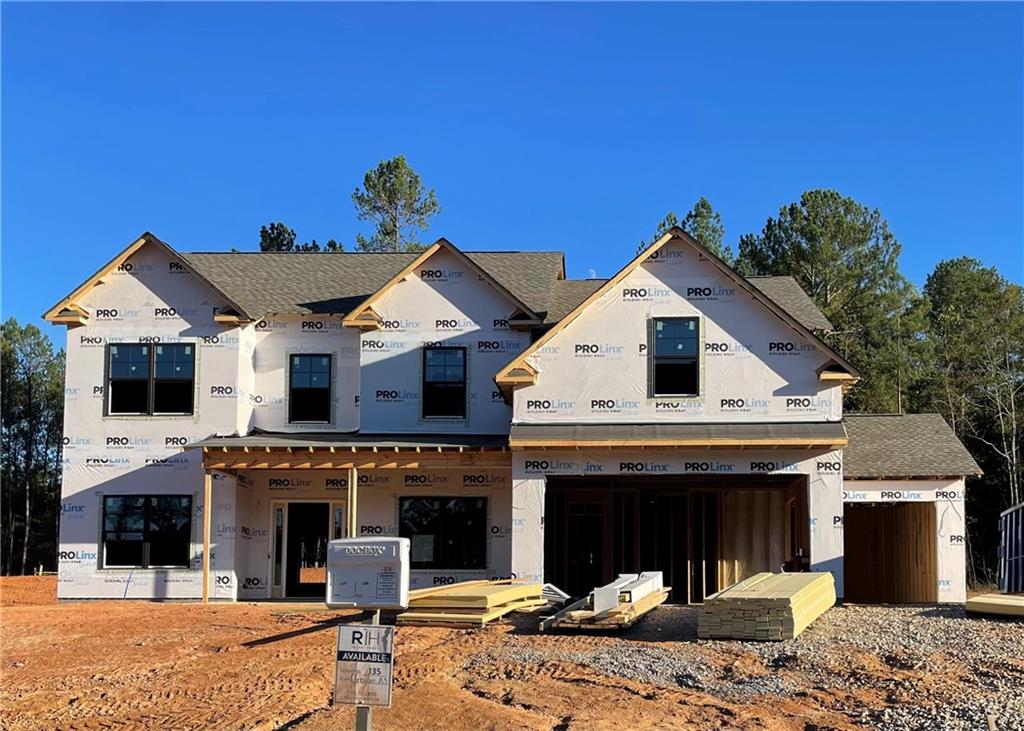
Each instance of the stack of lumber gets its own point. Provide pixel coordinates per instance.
(470, 603)
(614, 606)
(766, 607)
(1006, 605)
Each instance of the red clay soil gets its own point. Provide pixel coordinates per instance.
(143, 665)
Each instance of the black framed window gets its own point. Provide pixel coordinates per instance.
(146, 379)
(147, 531)
(447, 533)
(674, 353)
(444, 383)
(309, 392)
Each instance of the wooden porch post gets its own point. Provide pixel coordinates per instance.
(353, 492)
(207, 523)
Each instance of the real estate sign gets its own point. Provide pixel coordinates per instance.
(364, 666)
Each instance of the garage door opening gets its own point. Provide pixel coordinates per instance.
(891, 553)
(703, 535)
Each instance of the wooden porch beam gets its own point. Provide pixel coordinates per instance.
(207, 530)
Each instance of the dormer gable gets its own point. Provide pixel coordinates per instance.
(366, 317)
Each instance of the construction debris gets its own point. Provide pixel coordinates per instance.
(1006, 605)
(554, 595)
(614, 606)
(766, 607)
(470, 603)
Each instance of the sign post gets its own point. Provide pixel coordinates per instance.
(365, 662)
(366, 574)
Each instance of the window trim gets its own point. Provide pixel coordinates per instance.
(330, 387)
(150, 382)
(465, 383)
(486, 522)
(145, 566)
(653, 358)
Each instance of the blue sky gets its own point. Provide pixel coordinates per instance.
(570, 126)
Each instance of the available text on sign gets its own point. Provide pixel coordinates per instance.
(365, 663)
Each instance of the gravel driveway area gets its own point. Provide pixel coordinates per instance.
(934, 667)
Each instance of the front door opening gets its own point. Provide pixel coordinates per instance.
(306, 556)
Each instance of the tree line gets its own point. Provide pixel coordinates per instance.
(32, 426)
(955, 346)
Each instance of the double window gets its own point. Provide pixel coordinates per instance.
(309, 389)
(147, 531)
(446, 533)
(674, 356)
(145, 378)
(444, 383)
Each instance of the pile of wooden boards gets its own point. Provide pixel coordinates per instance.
(614, 606)
(1005, 605)
(766, 607)
(470, 603)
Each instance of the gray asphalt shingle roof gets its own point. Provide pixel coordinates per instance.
(907, 445)
(296, 283)
(334, 283)
(787, 293)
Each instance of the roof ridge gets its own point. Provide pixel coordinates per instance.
(376, 253)
(914, 413)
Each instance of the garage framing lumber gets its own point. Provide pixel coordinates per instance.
(581, 616)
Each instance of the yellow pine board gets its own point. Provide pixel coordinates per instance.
(480, 596)
(464, 616)
(1009, 605)
(767, 606)
(415, 594)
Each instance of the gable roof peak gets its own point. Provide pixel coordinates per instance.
(363, 316)
(54, 314)
(502, 378)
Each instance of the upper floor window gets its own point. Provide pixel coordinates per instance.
(309, 392)
(444, 383)
(674, 356)
(146, 379)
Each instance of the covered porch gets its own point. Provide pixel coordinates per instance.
(285, 495)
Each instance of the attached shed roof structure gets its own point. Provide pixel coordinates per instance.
(904, 445)
(830, 435)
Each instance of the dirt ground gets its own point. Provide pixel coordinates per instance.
(135, 665)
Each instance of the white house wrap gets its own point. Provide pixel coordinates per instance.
(503, 418)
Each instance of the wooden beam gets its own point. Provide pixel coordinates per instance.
(207, 526)
(826, 376)
(69, 318)
(225, 319)
(353, 506)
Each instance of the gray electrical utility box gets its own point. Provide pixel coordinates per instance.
(368, 573)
